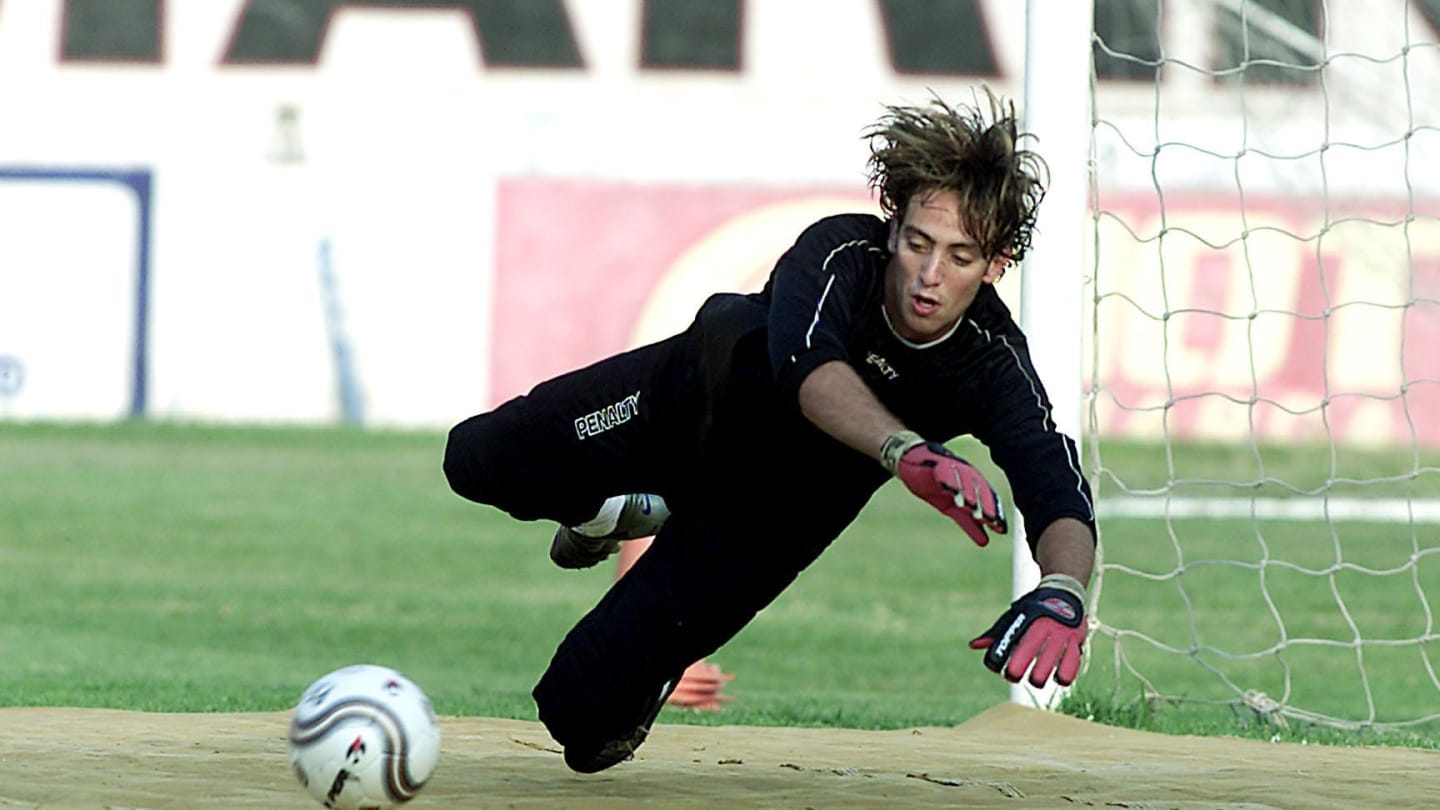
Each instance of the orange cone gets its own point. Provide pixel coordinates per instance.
(700, 687)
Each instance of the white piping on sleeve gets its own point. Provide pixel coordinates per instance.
(818, 305)
(1071, 458)
(825, 268)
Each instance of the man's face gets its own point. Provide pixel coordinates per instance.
(936, 269)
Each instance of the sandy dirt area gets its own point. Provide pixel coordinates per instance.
(1007, 757)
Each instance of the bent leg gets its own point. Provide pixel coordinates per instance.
(698, 585)
(717, 562)
(614, 427)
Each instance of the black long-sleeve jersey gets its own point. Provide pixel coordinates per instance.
(825, 302)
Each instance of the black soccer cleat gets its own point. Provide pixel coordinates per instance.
(597, 757)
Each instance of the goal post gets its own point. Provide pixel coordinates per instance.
(1056, 111)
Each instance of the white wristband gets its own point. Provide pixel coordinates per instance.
(896, 445)
(1065, 583)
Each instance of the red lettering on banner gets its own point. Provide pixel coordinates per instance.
(1209, 292)
(1306, 360)
(1422, 320)
(1339, 347)
(1421, 351)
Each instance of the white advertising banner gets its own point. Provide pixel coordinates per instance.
(400, 213)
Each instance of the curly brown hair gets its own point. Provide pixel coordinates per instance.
(937, 147)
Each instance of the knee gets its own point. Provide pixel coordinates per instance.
(469, 464)
(590, 694)
(572, 706)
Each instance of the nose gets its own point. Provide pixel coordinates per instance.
(930, 269)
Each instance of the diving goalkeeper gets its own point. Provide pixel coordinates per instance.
(748, 442)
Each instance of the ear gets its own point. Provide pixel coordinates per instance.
(996, 270)
(893, 243)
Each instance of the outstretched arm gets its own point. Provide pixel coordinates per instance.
(835, 398)
(1042, 633)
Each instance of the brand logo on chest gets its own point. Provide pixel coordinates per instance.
(886, 370)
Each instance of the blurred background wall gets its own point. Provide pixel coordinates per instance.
(400, 213)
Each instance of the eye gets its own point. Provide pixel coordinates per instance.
(917, 246)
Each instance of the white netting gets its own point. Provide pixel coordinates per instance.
(1264, 390)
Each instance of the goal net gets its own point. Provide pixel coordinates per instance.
(1263, 369)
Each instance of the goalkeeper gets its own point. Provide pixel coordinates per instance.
(747, 443)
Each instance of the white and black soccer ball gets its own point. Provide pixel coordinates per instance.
(364, 737)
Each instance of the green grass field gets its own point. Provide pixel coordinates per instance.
(186, 568)
(1333, 619)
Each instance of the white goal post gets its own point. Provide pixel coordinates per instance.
(1057, 113)
(1245, 292)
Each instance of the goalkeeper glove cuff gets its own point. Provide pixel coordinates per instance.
(896, 445)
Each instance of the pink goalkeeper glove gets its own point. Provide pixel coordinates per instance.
(1043, 632)
(946, 482)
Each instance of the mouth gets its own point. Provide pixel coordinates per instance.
(923, 305)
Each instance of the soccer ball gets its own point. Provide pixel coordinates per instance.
(364, 737)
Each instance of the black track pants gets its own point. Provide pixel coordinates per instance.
(622, 425)
(755, 496)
